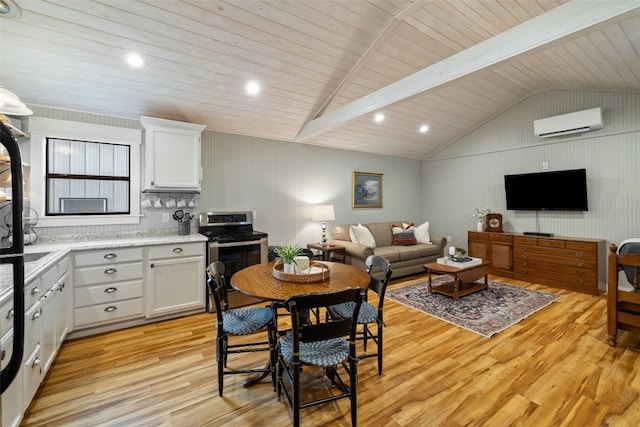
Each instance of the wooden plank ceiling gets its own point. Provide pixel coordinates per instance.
(332, 61)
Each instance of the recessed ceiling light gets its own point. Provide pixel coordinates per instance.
(253, 88)
(135, 60)
(379, 117)
(424, 128)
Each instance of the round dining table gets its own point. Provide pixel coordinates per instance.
(258, 281)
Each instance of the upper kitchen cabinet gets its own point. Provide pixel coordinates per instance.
(172, 155)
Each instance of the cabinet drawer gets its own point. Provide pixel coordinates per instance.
(107, 293)
(32, 371)
(106, 313)
(176, 250)
(582, 246)
(521, 240)
(32, 326)
(552, 253)
(107, 274)
(33, 291)
(6, 317)
(520, 257)
(107, 256)
(551, 243)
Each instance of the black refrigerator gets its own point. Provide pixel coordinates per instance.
(12, 252)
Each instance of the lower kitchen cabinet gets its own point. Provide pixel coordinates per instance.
(12, 397)
(107, 286)
(175, 279)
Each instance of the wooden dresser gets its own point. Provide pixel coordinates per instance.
(572, 263)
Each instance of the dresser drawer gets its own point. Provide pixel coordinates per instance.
(107, 293)
(106, 313)
(176, 250)
(107, 274)
(107, 256)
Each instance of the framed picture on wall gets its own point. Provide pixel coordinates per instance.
(367, 190)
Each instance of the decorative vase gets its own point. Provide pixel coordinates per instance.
(289, 268)
(479, 226)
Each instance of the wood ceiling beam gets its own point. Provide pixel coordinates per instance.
(373, 47)
(565, 22)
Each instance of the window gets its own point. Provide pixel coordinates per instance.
(86, 178)
(84, 174)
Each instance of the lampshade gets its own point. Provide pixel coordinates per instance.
(10, 104)
(323, 213)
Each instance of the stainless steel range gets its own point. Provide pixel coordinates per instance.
(233, 241)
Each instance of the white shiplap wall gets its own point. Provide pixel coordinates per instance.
(280, 181)
(470, 172)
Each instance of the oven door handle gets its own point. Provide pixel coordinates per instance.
(236, 244)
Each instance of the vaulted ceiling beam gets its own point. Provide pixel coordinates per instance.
(563, 23)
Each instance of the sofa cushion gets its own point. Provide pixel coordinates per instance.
(361, 234)
(403, 234)
(422, 233)
(382, 232)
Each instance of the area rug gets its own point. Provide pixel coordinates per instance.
(486, 312)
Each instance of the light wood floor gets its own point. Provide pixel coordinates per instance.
(552, 369)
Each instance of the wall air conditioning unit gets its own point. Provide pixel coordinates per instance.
(565, 124)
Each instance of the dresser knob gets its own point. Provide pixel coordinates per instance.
(110, 290)
(111, 308)
(110, 271)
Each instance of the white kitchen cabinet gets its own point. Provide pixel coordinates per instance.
(12, 397)
(107, 286)
(175, 279)
(32, 369)
(172, 155)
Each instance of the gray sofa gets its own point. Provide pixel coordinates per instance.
(404, 260)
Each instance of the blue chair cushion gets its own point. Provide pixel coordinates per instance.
(368, 313)
(319, 353)
(245, 321)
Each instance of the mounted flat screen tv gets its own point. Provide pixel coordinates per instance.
(547, 191)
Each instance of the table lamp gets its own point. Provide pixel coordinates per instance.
(323, 213)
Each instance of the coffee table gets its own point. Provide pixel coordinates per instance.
(464, 279)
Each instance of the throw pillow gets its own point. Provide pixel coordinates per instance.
(422, 233)
(361, 234)
(403, 236)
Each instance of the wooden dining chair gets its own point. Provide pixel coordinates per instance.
(321, 344)
(239, 321)
(369, 314)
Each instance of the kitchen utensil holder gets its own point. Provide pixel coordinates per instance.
(184, 228)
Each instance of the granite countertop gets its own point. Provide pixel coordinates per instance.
(58, 247)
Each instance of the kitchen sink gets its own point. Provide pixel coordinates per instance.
(33, 257)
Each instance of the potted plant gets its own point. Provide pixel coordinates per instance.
(460, 253)
(288, 254)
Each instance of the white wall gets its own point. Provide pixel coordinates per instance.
(282, 181)
(470, 172)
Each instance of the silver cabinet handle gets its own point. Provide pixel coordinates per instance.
(177, 250)
(110, 256)
(110, 290)
(35, 290)
(36, 315)
(111, 308)
(110, 271)
(36, 362)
